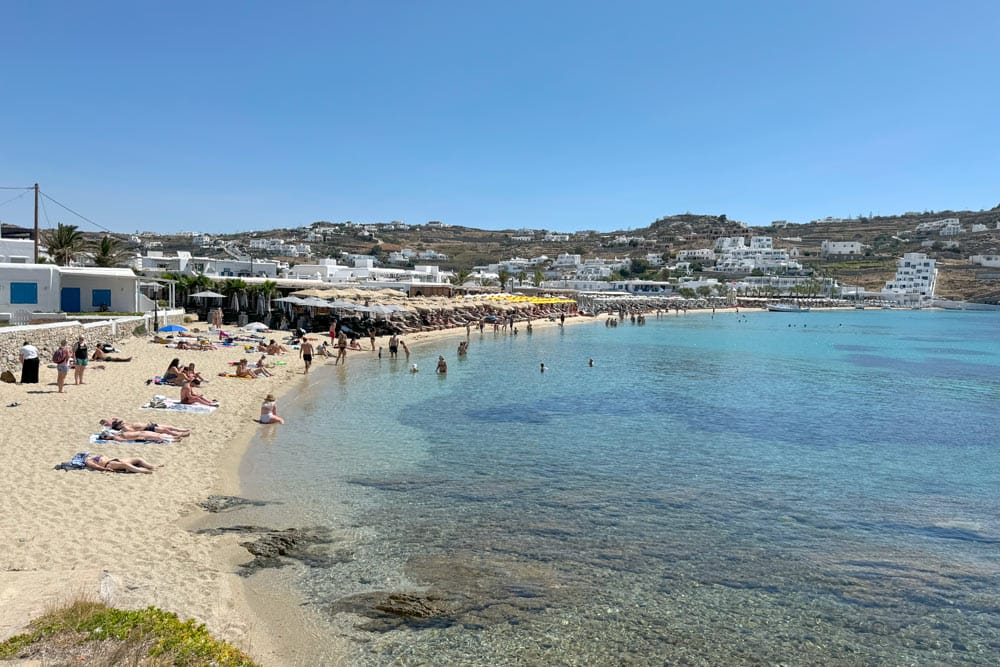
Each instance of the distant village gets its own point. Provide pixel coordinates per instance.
(711, 264)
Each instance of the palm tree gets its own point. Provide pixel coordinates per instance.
(459, 278)
(504, 277)
(64, 243)
(539, 277)
(108, 251)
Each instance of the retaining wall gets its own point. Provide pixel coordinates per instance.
(46, 337)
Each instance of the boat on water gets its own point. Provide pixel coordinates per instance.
(786, 308)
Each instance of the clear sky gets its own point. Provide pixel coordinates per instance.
(222, 116)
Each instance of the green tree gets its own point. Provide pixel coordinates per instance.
(704, 291)
(687, 292)
(504, 277)
(521, 277)
(460, 277)
(539, 277)
(108, 251)
(64, 243)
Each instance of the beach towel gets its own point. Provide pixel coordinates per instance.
(96, 439)
(78, 462)
(161, 403)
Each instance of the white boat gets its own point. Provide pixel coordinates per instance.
(786, 308)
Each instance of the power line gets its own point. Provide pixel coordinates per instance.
(79, 215)
(15, 198)
(12, 187)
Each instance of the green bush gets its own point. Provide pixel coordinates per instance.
(150, 631)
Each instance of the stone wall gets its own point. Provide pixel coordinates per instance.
(46, 337)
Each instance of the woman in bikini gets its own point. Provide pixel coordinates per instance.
(132, 436)
(106, 464)
(101, 355)
(166, 429)
(173, 374)
(269, 411)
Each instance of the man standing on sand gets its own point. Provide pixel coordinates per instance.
(29, 364)
(306, 353)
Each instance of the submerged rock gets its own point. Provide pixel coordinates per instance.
(274, 548)
(217, 504)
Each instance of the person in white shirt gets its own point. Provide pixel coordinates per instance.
(29, 364)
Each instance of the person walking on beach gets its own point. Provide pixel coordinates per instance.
(29, 363)
(306, 352)
(269, 411)
(371, 337)
(61, 359)
(80, 355)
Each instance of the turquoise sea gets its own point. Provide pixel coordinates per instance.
(814, 488)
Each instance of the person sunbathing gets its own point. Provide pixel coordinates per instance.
(106, 464)
(132, 436)
(101, 355)
(190, 397)
(354, 345)
(275, 348)
(166, 429)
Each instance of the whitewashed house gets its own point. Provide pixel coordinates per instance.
(48, 288)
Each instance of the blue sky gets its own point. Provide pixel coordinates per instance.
(233, 116)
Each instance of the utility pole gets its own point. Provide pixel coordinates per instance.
(36, 223)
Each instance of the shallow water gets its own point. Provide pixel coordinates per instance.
(810, 488)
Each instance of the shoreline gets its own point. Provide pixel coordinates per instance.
(128, 539)
(125, 538)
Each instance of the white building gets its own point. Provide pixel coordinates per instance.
(992, 261)
(978, 228)
(567, 261)
(696, 255)
(155, 262)
(48, 288)
(761, 243)
(724, 243)
(915, 280)
(19, 251)
(832, 248)
(952, 228)
(549, 236)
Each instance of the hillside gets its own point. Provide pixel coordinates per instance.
(886, 238)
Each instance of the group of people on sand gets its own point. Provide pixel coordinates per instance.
(66, 357)
(178, 374)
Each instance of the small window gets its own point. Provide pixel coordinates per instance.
(101, 297)
(24, 293)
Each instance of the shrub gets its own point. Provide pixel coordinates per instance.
(109, 634)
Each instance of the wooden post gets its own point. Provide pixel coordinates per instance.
(36, 223)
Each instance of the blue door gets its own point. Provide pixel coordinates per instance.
(69, 300)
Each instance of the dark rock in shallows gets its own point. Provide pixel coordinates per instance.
(217, 504)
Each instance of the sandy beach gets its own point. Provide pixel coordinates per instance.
(125, 538)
